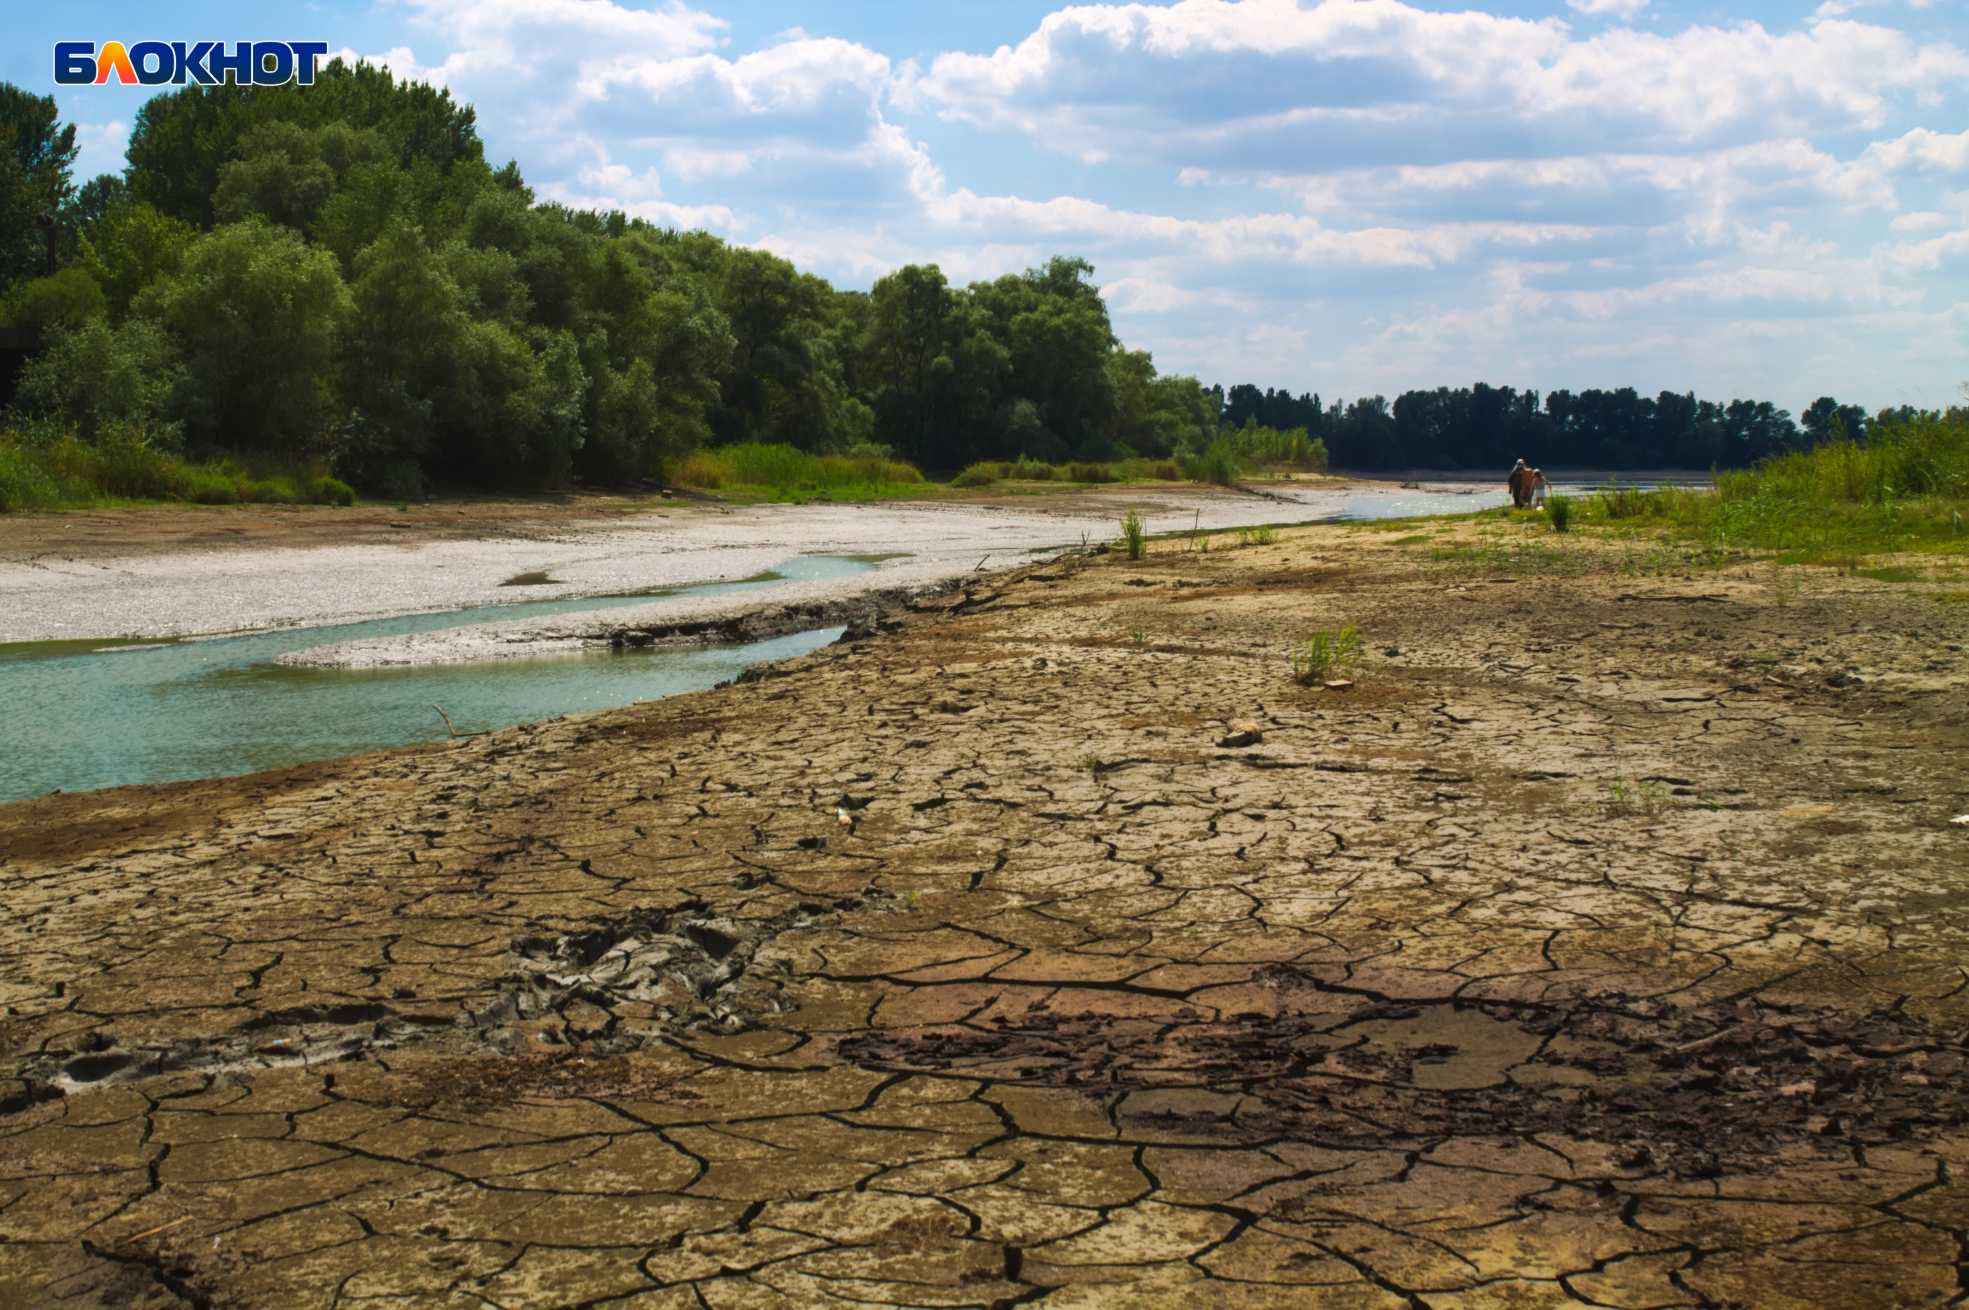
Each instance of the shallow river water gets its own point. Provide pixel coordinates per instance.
(91, 713)
(207, 707)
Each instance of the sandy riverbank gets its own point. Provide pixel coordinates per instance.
(165, 585)
(1602, 945)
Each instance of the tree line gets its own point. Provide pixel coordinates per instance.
(1484, 427)
(336, 274)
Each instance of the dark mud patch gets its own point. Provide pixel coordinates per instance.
(573, 997)
(1685, 1092)
(537, 578)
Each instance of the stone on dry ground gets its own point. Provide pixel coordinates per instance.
(1596, 948)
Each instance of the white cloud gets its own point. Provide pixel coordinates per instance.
(1921, 149)
(1619, 8)
(1344, 77)
(1926, 220)
(100, 147)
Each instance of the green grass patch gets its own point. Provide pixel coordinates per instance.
(1905, 488)
(777, 472)
(1075, 473)
(71, 474)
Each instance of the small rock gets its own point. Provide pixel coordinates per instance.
(1844, 678)
(1242, 734)
(1340, 684)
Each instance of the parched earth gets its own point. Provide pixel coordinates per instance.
(1602, 945)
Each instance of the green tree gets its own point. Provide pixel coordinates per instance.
(405, 348)
(64, 299)
(257, 316)
(96, 378)
(37, 153)
(132, 246)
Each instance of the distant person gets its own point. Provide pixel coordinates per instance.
(1520, 484)
(1538, 485)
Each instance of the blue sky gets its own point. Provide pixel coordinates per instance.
(1350, 196)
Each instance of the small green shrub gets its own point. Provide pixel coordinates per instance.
(1560, 508)
(331, 491)
(1084, 471)
(1326, 654)
(1134, 535)
(210, 486)
(1217, 463)
(1257, 536)
(982, 474)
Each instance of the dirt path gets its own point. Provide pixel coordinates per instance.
(1602, 946)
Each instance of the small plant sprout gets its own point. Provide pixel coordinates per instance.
(1645, 797)
(1134, 535)
(1092, 763)
(1325, 655)
(1139, 636)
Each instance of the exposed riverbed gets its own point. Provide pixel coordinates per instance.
(80, 717)
(190, 664)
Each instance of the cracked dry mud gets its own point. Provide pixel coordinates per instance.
(1606, 950)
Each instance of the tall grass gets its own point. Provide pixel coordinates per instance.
(1905, 487)
(67, 473)
(1326, 655)
(777, 471)
(1134, 535)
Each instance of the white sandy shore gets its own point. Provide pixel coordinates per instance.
(234, 590)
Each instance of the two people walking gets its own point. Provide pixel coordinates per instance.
(1527, 486)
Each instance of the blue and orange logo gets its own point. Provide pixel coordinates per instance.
(178, 63)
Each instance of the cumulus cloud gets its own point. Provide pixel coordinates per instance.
(100, 147)
(1336, 194)
(1347, 78)
(1618, 8)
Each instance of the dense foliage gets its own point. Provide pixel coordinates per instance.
(1489, 427)
(335, 275)
(333, 279)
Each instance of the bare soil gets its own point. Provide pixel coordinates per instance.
(1602, 945)
(172, 529)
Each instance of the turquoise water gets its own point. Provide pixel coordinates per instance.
(80, 715)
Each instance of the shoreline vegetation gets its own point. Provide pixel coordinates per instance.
(67, 474)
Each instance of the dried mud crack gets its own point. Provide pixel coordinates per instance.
(1043, 944)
